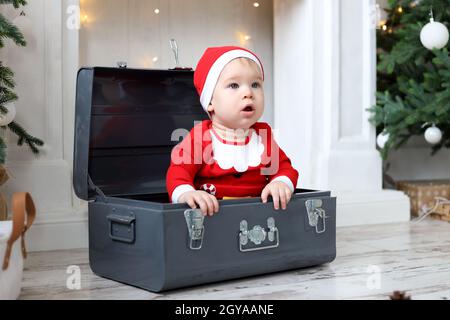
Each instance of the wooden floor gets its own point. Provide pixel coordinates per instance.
(372, 262)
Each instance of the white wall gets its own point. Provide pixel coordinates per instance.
(129, 30)
(414, 162)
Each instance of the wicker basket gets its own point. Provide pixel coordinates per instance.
(442, 211)
(427, 194)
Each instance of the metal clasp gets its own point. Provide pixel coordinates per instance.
(122, 64)
(194, 221)
(258, 235)
(316, 214)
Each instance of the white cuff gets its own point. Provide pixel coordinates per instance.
(182, 188)
(286, 180)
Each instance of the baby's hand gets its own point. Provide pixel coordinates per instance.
(279, 191)
(207, 202)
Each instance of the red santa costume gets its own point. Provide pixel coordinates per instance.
(205, 161)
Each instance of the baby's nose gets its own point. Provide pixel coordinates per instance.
(248, 93)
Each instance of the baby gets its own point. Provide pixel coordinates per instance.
(231, 155)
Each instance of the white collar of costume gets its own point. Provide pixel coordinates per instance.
(238, 156)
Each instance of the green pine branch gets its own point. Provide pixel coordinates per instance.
(7, 84)
(24, 137)
(413, 82)
(15, 3)
(10, 31)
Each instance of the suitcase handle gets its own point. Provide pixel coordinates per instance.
(121, 228)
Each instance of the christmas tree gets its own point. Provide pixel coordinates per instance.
(7, 84)
(413, 81)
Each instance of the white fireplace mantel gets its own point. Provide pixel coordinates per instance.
(325, 79)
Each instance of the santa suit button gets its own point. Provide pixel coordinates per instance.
(210, 188)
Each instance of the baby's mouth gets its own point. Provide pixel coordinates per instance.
(248, 108)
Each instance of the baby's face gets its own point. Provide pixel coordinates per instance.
(238, 99)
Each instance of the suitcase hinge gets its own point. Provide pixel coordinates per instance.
(258, 235)
(97, 190)
(316, 214)
(194, 221)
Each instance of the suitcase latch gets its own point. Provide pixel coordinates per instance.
(258, 235)
(316, 215)
(194, 221)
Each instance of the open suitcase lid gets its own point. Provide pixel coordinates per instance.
(123, 126)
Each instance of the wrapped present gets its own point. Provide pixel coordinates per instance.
(423, 194)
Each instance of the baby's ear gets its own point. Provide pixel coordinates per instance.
(210, 108)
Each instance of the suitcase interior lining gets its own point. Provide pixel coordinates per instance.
(164, 197)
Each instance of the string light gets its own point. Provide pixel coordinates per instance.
(155, 59)
(242, 38)
(384, 27)
(382, 23)
(84, 18)
(256, 4)
(156, 11)
(390, 30)
(400, 10)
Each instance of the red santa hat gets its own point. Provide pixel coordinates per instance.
(210, 66)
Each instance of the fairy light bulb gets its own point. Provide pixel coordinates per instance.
(256, 4)
(84, 18)
(156, 11)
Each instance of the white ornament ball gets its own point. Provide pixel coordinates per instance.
(7, 118)
(382, 138)
(433, 135)
(434, 35)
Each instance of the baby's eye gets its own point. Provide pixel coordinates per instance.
(256, 85)
(233, 85)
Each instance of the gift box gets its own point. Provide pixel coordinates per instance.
(424, 195)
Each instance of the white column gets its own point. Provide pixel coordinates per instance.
(325, 79)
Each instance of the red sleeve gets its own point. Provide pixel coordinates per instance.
(285, 168)
(283, 165)
(186, 160)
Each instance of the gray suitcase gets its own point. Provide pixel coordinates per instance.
(123, 126)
